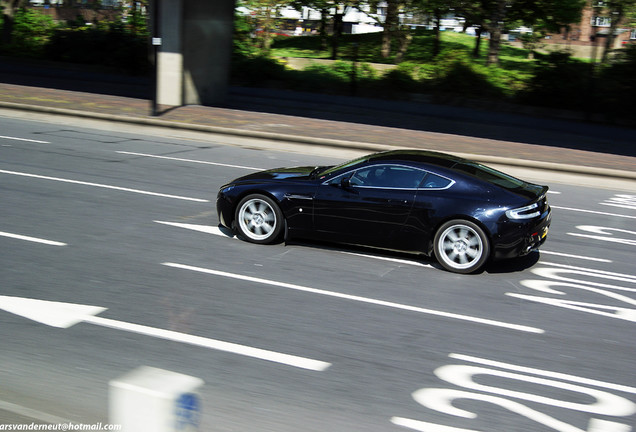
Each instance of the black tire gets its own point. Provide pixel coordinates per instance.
(259, 219)
(461, 246)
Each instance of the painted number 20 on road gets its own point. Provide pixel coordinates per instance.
(605, 404)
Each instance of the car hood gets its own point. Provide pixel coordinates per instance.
(296, 173)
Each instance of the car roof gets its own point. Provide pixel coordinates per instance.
(417, 156)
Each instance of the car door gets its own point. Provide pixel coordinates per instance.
(369, 205)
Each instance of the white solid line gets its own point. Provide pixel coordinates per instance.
(358, 298)
(594, 212)
(395, 260)
(589, 270)
(603, 260)
(25, 139)
(426, 426)
(534, 371)
(32, 239)
(258, 353)
(103, 186)
(31, 413)
(208, 229)
(189, 160)
(630, 207)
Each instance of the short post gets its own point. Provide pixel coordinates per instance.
(148, 399)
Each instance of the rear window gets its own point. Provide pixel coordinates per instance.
(488, 174)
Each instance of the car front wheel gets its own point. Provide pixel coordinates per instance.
(259, 219)
(461, 246)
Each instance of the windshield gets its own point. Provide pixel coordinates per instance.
(333, 169)
(488, 174)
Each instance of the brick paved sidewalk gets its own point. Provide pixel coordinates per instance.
(478, 137)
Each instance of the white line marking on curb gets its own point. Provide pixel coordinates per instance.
(103, 186)
(358, 298)
(189, 160)
(32, 239)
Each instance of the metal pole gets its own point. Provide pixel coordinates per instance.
(156, 43)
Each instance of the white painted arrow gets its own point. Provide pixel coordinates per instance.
(64, 315)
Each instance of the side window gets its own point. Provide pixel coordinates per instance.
(388, 176)
(433, 181)
(374, 176)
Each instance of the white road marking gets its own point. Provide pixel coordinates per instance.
(541, 372)
(247, 351)
(189, 160)
(31, 413)
(395, 260)
(622, 201)
(65, 315)
(603, 260)
(358, 298)
(594, 212)
(32, 239)
(103, 186)
(594, 272)
(208, 229)
(24, 139)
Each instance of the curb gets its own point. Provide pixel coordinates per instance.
(327, 142)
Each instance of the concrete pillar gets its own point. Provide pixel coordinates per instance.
(207, 50)
(194, 59)
(169, 55)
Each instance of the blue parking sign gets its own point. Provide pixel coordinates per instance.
(187, 413)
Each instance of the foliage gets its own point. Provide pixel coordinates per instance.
(110, 44)
(617, 82)
(560, 82)
(31, 32)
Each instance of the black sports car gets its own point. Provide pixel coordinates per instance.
(460, 211)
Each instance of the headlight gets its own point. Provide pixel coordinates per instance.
(225, 189)
(527, 212)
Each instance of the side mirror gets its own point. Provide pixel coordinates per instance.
(345, 182)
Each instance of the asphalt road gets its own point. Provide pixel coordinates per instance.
(384, 342)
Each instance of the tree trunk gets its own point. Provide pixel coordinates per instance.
(390, 25)
(8, 14)
(323, 28)
(405, 40)
(436, 38)
(616, 16)
(496, 29)
(337, 32)
(476, 50)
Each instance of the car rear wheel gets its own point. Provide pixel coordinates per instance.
(259, 219)
(461, 246)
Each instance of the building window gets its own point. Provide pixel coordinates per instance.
(600, 21)
(632, 34)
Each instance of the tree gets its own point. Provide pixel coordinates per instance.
(329, 9)
(436, 9)
(9, 9)
(392, 27)
(265, 18)
(618, 11)
(497, 16)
